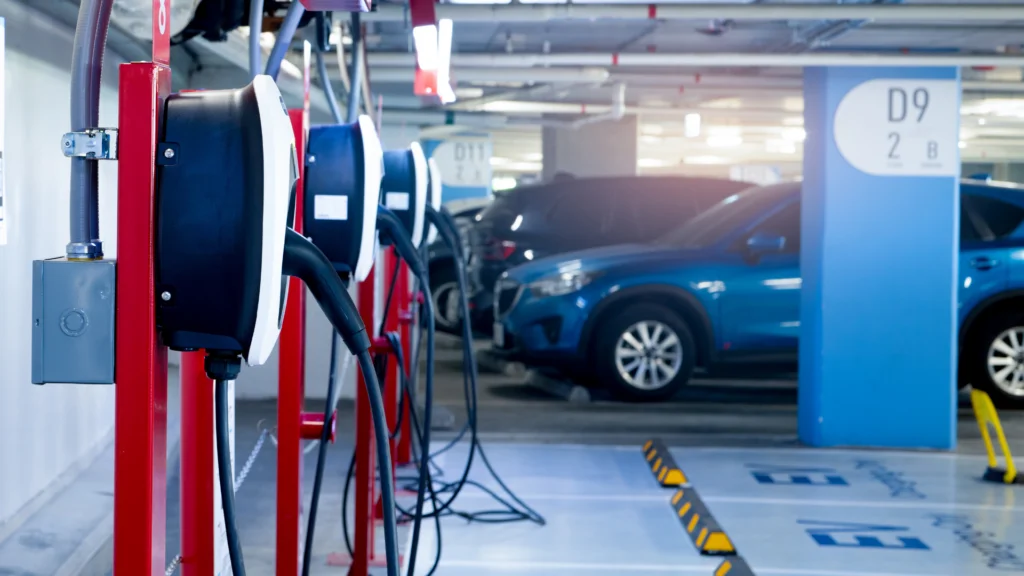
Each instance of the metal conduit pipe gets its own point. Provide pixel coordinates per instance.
(712, 11)
(539, 75)
(86, 75)
(255, 29)
(714, 60)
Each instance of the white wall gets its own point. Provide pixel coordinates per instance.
(43, 430)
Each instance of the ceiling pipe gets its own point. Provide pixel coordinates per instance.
(507, 75)
(712, 11)
(710, 60)
(617, 111)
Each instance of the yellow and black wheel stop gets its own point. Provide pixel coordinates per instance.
(734, 566)
(662, 464)
(705, 532)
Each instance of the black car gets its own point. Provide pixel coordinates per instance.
(575, 214)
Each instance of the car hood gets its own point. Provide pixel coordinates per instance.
(592, 259)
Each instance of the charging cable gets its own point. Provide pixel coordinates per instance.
(304, 260)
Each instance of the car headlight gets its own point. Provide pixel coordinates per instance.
(561, 284)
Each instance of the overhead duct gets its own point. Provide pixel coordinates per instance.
(521, 12)
(712, 60)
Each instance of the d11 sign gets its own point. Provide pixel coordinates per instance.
(901, 127)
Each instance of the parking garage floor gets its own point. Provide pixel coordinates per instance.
(789, 510)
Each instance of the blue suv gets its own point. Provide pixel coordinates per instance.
(641, 318)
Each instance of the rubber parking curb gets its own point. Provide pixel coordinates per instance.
(663, 465)
(735, 566)
(708, 537)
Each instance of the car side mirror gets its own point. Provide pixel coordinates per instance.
(761, 243)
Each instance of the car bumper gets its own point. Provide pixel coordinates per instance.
(542, 331)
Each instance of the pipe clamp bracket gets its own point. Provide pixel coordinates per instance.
(94, 144)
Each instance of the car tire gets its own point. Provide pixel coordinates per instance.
(444, 289)
(666, 357)
(994, 360)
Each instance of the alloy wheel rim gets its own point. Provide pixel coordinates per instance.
(446, 304)
(648, 355)
(1006, 361)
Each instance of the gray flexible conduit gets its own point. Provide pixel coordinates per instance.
(356, 71)
(325, 82)
(86, 76)
(255, 29)
(284, 38)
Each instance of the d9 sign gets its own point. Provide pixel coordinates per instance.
(900, 127)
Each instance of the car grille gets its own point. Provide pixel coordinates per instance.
(506, 294)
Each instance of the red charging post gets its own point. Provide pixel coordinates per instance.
(391, 324)
(197, 468)
(406, 320)
(291, 379)
(140, 426)
(364, 494)
(291, 394)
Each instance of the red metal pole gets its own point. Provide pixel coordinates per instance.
(197, 504)
(366, 462)
(390, 384)
(404, 301)
(140, 427)
(291, 393)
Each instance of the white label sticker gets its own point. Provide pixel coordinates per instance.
(330, 207)
(901, 127)
(396, 200)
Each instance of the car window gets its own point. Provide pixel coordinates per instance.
(993, 219)
(583, 214)
(660, 208)
(968, 231)
(785, 223)
(724, 218)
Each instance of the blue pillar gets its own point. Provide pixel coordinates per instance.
(880, 235)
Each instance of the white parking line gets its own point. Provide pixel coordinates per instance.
(666, 495)
(582, 567)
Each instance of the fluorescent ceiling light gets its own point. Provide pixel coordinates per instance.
(724, 141)
(652, 163)
(775, 146)
(691, 125)
(499, 161)
(652, 129)
(962, 144)
(724, 131)
(793, 121)
(499, 183)
(425, 40)
(706, 160)
(794, 134)
(650, 140)
(533, 157)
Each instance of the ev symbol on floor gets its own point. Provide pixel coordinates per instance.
(855, 535)
(772, 474)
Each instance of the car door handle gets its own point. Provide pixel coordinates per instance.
(984, 263)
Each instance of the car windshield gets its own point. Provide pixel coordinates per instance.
(717, 222)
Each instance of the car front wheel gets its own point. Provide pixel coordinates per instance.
(645, 353)
(445, 291)
(996, 361)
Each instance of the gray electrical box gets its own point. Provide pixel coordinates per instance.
(73, 321)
